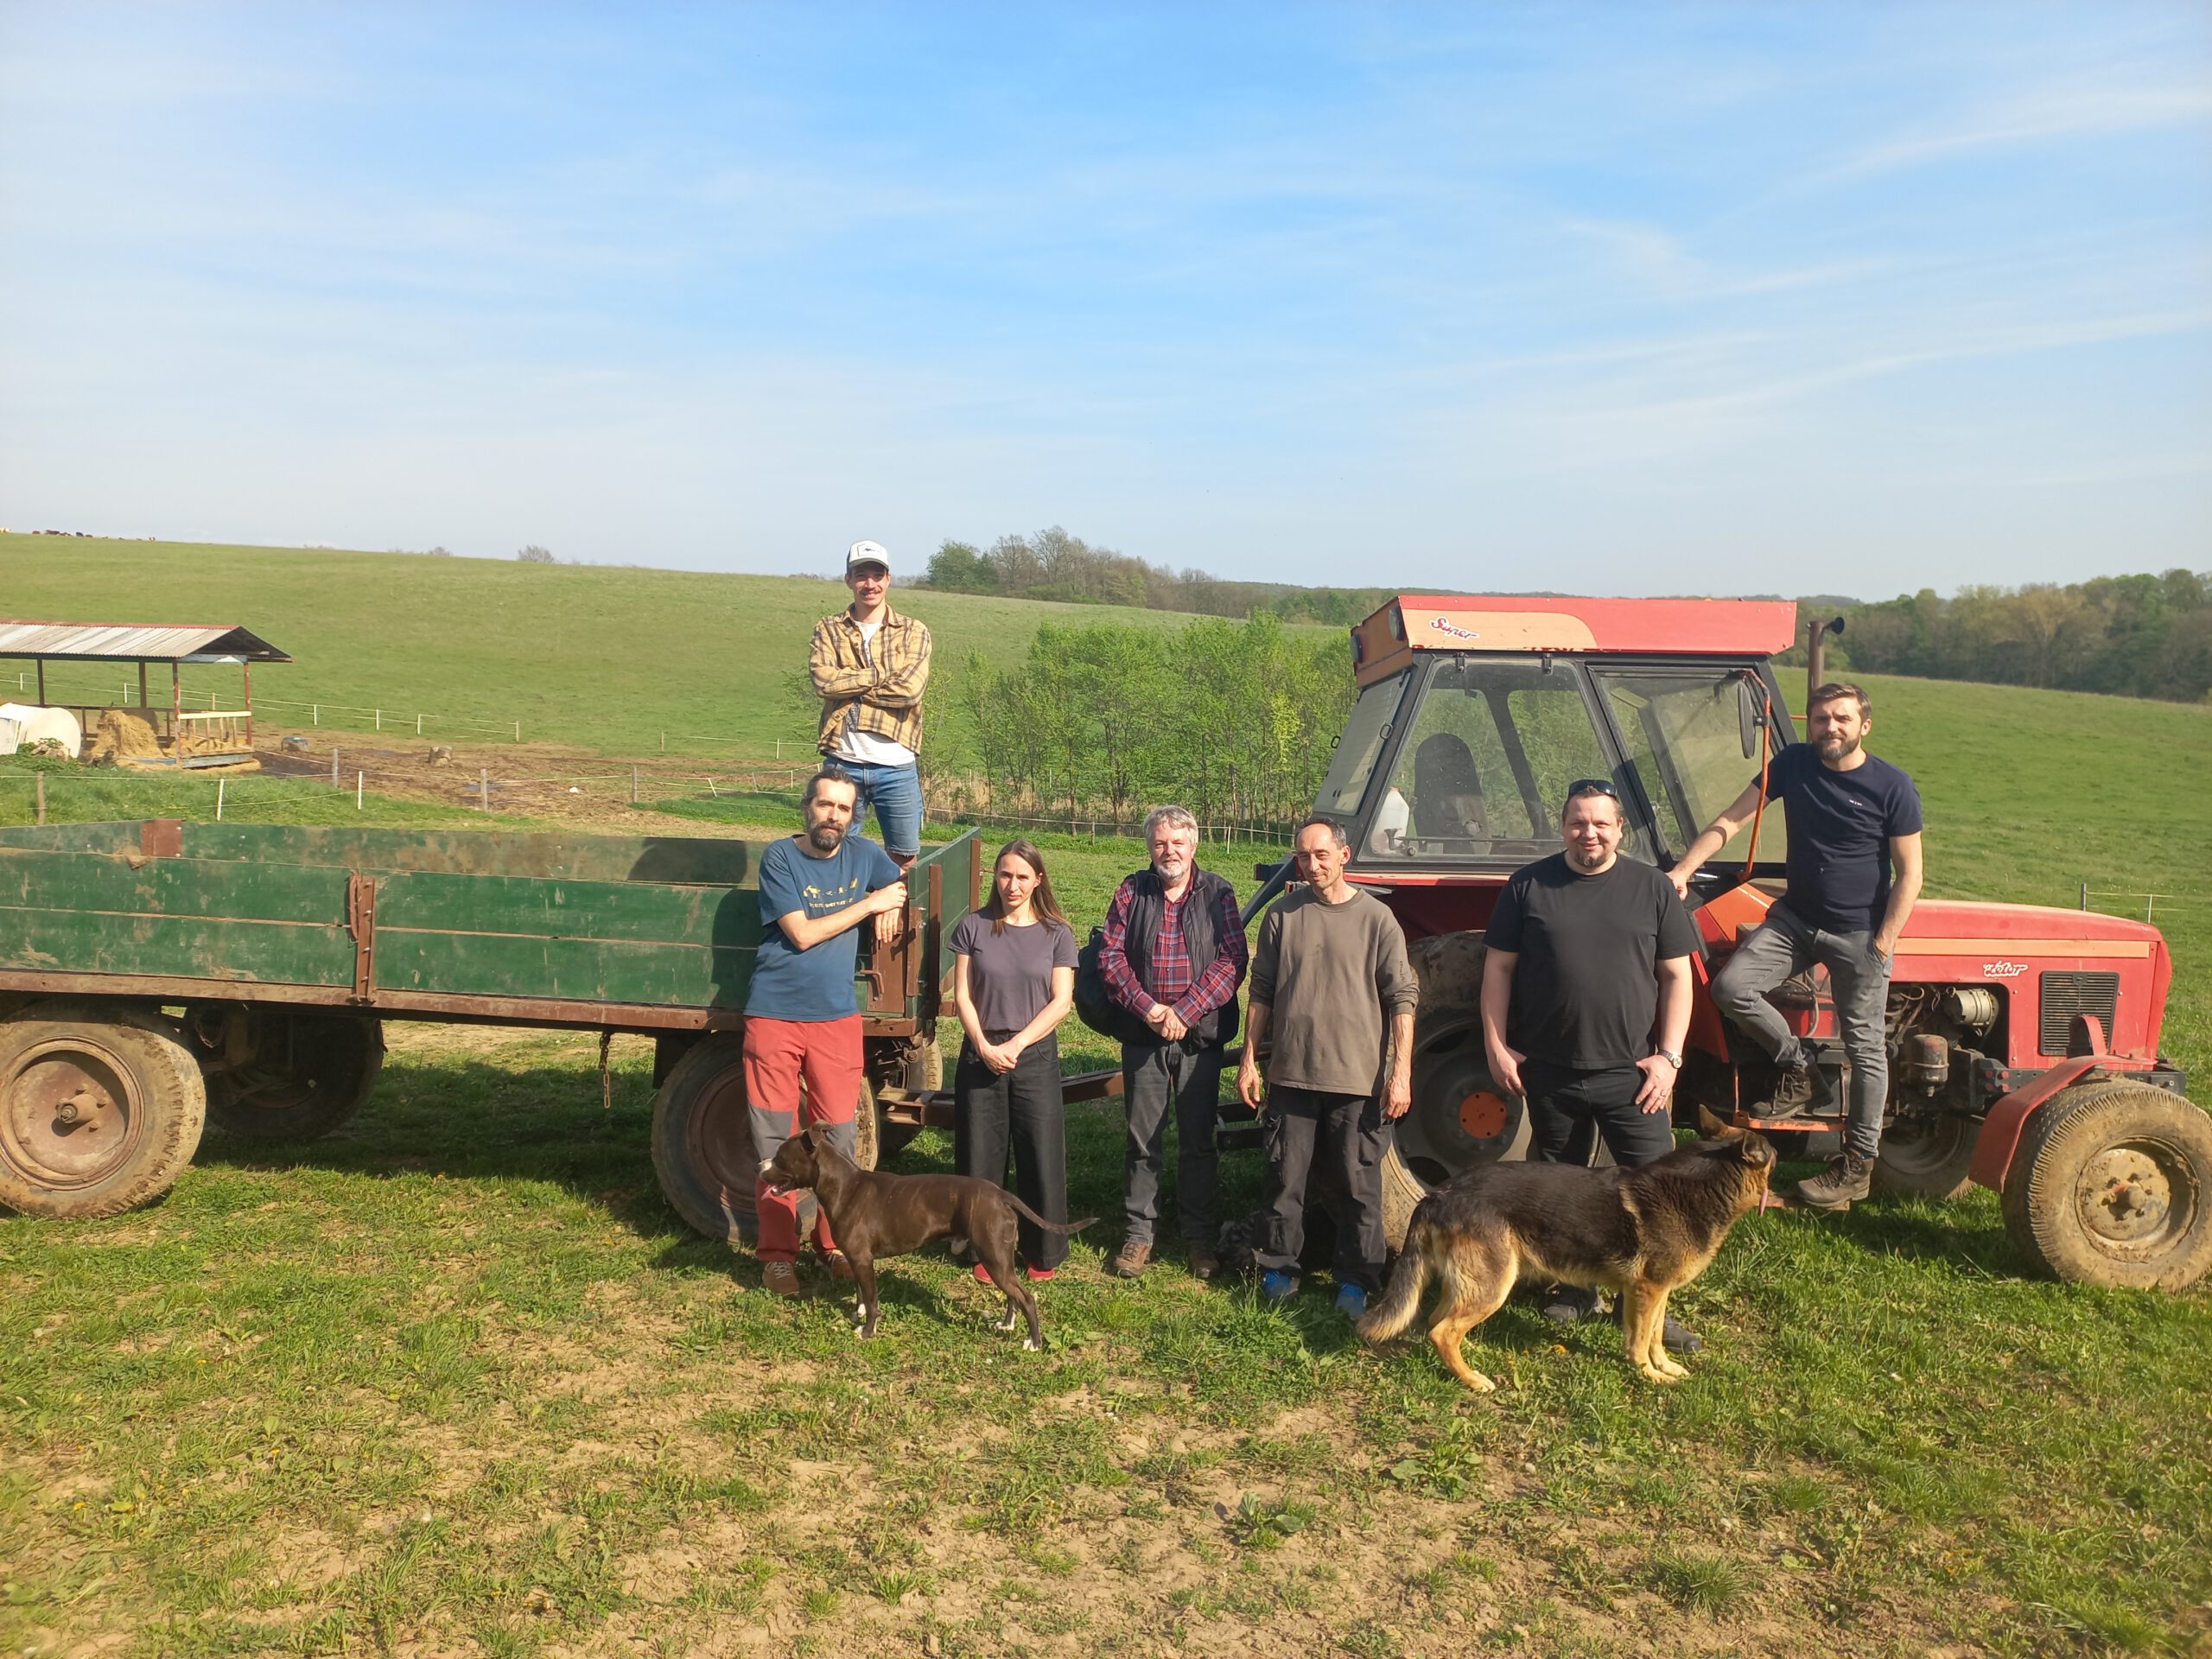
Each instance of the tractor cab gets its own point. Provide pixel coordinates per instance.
(1475, 715)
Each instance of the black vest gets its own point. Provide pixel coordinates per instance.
(1146, 906)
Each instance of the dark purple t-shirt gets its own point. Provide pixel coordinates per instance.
(1010, 973)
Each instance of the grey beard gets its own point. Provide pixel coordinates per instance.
(824, 837)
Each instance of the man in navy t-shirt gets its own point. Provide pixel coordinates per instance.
(802, 1017)
(1854, 874)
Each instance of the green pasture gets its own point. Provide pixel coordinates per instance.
(455, 1380)
(599, 657)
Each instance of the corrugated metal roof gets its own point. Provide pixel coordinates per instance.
(128, 642)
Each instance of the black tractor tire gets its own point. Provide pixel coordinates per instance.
(702, 1145)
(101, 1108)
(1460, 1120)
(310, 1074)
(2111, 1184)
(1928, 1156)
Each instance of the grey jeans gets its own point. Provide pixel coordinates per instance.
(1783, 946)
(1343, 1136)
(1152, 1074)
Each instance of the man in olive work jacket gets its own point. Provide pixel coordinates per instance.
(1588, 954)
(1333, 1002)
(1171, 957)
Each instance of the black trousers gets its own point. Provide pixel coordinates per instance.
(1345, 1134)
(991, 1108)
(1569, 1110)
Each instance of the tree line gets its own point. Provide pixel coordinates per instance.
(2139, 636)
(1234, 720)
(1052, 564)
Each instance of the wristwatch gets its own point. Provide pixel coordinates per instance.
(1670, 1056)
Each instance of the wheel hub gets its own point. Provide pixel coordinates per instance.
(1459, 1121)
(2125, 1196)
(68, 1114)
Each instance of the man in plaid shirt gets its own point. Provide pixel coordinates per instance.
(1172, 957)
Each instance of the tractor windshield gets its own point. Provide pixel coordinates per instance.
(1684, 732)
(1365, 733)
(1484, 764)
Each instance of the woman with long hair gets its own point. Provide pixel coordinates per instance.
(1013, 981)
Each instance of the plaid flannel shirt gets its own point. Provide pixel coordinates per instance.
(1192, 998)
(882, 691)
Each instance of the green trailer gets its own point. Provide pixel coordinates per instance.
(155, 974)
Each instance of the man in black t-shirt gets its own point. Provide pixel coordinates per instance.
(1587, 953)
(1854, 875)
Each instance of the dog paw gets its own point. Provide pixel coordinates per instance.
(1653, 1374)
(1032, 1345)
(1479, 1383)
(1012, 1322)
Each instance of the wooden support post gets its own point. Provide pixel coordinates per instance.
(176, 707)
(334, 766)
(220, 782)
(360, 781)
(418, 732)
(633, 785)
(484, 786)
(2085, 895)
(142, 682)
(40, 776)
(41, 682)
(518, 731)
(379, 720)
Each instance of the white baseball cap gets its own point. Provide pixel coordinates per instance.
(862, 553)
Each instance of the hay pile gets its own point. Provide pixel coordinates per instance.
(119, 738)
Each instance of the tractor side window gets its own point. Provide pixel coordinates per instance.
(1488, 758)
(1682, 734)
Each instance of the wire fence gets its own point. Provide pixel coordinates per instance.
(2099, 898)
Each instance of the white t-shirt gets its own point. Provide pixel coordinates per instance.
(866, 747)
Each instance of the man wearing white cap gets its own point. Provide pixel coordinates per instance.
(870, 666)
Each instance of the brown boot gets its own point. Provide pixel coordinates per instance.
(1848, 1177)
(1204, 1262)
(1134, 1257)
(781, 1277)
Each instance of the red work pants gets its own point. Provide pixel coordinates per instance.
(780, 1055)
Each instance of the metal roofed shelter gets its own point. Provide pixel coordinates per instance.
(209, 737)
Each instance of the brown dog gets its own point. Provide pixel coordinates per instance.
(872, 1214)
(1643, 1233)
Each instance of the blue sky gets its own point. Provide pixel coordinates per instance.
(1632, 299)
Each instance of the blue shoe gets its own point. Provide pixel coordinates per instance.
(1351, 1301)
(1277, 1286)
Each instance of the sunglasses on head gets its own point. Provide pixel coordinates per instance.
(1582, 786)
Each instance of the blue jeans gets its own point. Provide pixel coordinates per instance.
(896, 793)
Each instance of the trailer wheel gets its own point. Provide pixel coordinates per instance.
(1927, 1156)
(703, 1145)
(100, 1110)
(2111, 1184)
(310, 1073)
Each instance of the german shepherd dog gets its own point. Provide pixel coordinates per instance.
(1643, 1233)
(874, 1215)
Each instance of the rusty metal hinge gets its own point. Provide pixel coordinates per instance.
(361, 923)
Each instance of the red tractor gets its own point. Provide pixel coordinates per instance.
(2023, 1041)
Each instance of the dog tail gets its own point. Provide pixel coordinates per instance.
(1023, 1210)
(1402, 1300)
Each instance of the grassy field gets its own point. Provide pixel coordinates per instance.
(456, 1381)
(602, 658)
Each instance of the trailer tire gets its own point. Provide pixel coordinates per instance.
(1927, 1157)
(702, 1145)
(2111, 1184)
(310, 1073)
(70, 1073)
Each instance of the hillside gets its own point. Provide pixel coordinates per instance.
(603, 657)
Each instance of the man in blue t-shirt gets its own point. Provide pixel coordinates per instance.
(802, 1018)
(1853, 875)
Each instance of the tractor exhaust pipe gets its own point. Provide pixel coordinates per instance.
(1817, 672)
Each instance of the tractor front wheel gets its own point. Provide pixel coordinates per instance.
(2111, 1184)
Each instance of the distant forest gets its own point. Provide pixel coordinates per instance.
(2143, 636)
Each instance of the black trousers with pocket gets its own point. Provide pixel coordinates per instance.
(1569, 1110)
(1344, 1134)
(1023, 1106)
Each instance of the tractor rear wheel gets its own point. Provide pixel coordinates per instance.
(308, 1074)
(1460, 1120)
(1928, 1156)
(703, 1145)
(101, 1109)
(2111, 1184)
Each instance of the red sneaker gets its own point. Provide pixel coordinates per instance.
(1039, 1275)
(983, 1276)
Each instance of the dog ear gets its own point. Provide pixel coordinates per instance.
(1712, 1128)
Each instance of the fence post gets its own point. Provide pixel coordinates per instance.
(664, 743)
(633, 785)
(334, 766)
(360, 780)
(219, 782)
(2085, 895)
(484, 786)
(779, 749)
(379, 720)
(712, 790)
(40, 776)
(418, 725)
(315, 714)
(2149, 899)
(518, 731)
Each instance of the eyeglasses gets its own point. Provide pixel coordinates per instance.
(1582, 786)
